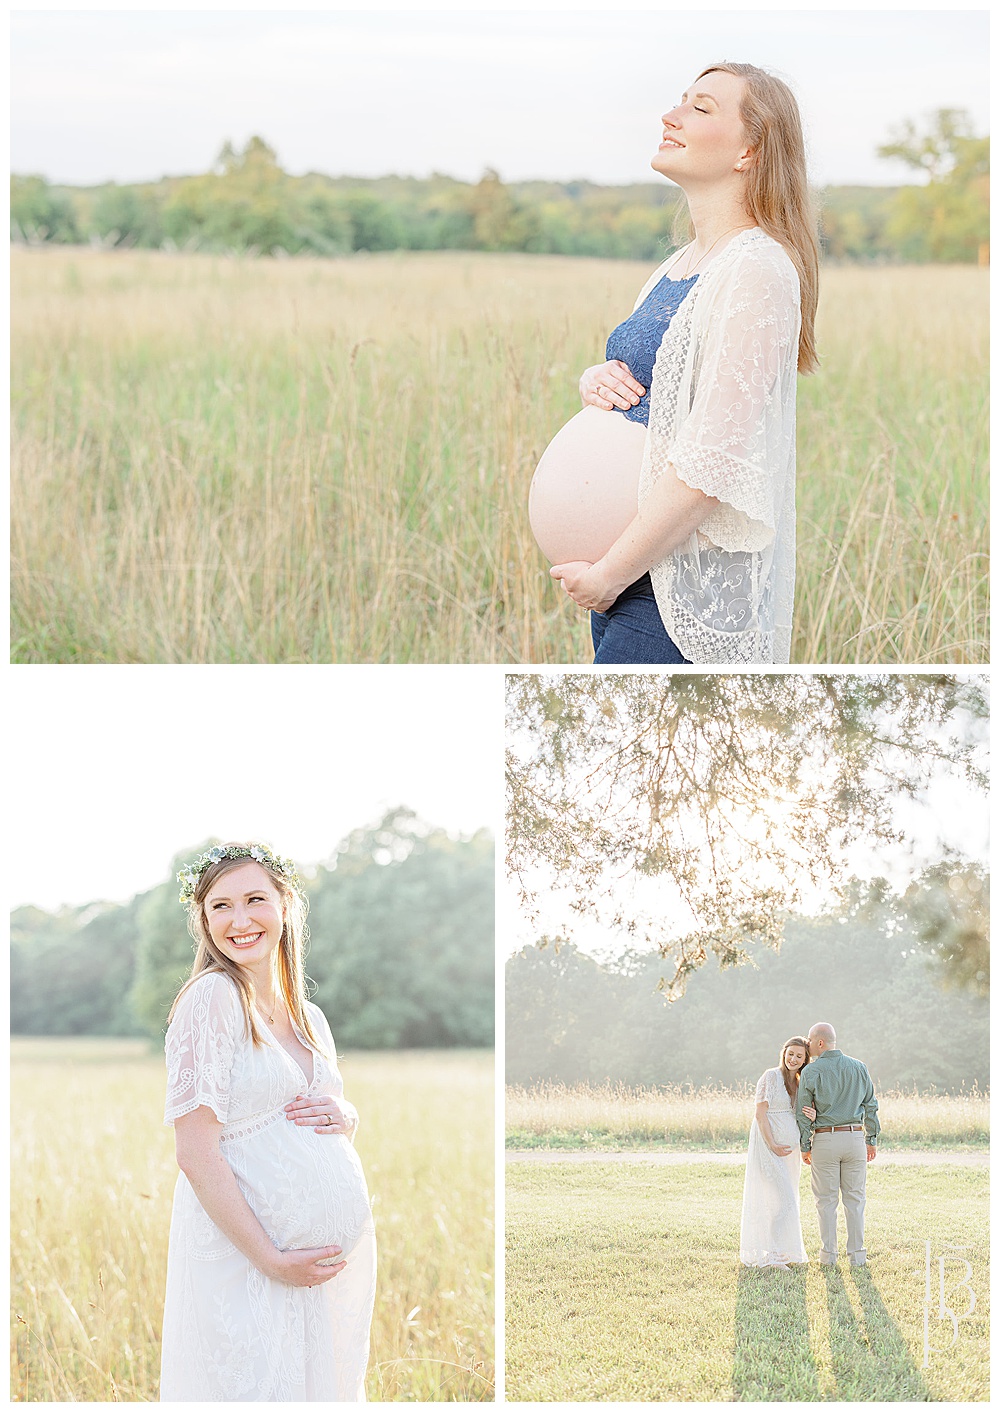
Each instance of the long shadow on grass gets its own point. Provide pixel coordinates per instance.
(870, 1358)
(772, 1359)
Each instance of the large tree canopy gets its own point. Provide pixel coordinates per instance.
(737, 789)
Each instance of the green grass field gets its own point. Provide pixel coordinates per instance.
(614, 1118)
(236, 460)
(92, 1178)
(623, 1283)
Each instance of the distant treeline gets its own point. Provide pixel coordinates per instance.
(864, 969)
(247, 203)
(401, 951)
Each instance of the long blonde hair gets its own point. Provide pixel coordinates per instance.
(777, 187)
(290, 954)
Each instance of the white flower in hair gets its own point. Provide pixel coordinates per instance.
(259, 852)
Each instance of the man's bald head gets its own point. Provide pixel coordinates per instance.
(821, 1036)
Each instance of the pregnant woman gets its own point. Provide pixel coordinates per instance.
(667, 506)
(771, 1227)
(271, 1265)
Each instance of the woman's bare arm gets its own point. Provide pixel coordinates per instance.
(669, 514)
(764, 1123)
(196, 1137)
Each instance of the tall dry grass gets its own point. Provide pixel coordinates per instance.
(92, 1178)
(221, 459)
(716, 1116)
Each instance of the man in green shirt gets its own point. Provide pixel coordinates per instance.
(839, 1142)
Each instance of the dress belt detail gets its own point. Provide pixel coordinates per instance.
(847, 1128)
(255, 1123)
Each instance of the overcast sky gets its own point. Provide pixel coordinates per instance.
(570, 92)
(119, 768)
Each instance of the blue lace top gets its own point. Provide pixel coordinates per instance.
(636, 341)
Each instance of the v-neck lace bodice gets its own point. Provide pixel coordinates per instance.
(286, 1051)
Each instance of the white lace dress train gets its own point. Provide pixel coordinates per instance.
(771, 1225)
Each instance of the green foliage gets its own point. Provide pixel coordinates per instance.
(853, 222)
(401, 951)
(241, 205)
(128, 215)
(949, 905)
(165, 952)
(39, 213)
(374, 224)
(322, 222)
(948, 219)
(499, 220)
(406, 921)
(71, 971)
(862, 968)
(248, 203)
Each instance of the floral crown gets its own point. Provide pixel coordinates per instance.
(259, 852)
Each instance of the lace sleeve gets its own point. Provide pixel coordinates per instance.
(326, 1036)
(763, 1094)
(201, 1045)
(735, 437)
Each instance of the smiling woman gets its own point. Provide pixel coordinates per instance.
(770, 1226)
(667, 505)
(271, 1267)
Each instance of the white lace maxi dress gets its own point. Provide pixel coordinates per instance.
(771, 1226)
(229, 1333)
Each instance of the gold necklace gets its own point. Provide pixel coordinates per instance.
(270, 1018)
(687, 272)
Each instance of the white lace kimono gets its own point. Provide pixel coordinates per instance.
(771, 1226)
(722, 417)
(230, 1334)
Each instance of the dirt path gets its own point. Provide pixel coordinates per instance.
(737, 1159)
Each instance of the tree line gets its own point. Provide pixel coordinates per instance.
(875, 967)
(401, 954)
(248, 204)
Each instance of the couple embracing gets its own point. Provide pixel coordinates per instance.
(821, 1101)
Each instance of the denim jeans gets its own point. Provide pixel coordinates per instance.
(631, 632)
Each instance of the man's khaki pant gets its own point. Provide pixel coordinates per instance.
(839, 1167)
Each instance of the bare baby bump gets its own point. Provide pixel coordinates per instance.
(585, 488)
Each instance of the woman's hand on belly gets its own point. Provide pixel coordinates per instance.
(609, 385)
(589, 585)
(322, 1113)
(302, 1267)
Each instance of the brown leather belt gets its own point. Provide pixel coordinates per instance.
(848, 1128)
